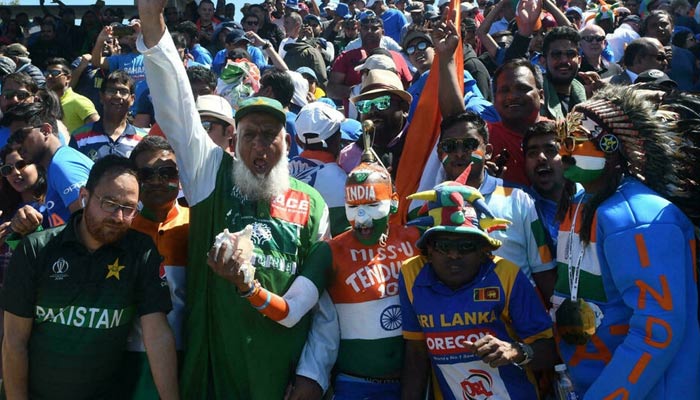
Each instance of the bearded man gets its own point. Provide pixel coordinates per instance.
(238, 347)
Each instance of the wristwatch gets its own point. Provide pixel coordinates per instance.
(527, 351)
(266, 45)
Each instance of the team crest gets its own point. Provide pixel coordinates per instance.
(487, 294)
(609, 143)
(261, 233)
(114, 269)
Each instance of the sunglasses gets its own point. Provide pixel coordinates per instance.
(110, 91)
(593, 38)
(569, 54)
(659, 57)
(452, 145)
(459, 246)
(251, 23)
(7, 169)
(111, 207)
(167, 173)
(207, 125)
(19, 94)
(418, 46)
(380, 104)
(52, 73)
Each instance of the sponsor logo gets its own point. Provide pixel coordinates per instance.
(292, 207)
(477, 386)
(60, 269)
(75, 186)
(446, 343)
(114, 269)
(261, 233)
(391, 318)
(487, 294)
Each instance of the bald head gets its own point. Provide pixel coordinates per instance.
(592, 40)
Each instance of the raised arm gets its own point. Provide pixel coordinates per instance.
(482, 32)
(451, 88)
(97, 59)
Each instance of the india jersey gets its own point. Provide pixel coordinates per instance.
(499, 301)
(365, 289)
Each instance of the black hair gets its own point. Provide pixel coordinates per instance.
(118, 76)
(654, 13)
(51, 102)
(250, 15)
(635, 48)
(469, 117)
(236, 54)
(281, 84)
(204, 75)
(179, 40)
(206, 1)
(188, 28)
(21, 79)
(149, 144)
(32, 114)
(517, 63)
(10, 199)
(680, 37)
(560, 33)
(62, 62)
(111, 164)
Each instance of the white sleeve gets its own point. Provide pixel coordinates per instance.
(198, 157)
(321, 348)
(300, 298)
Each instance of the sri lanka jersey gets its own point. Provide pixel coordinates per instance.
(638, 269)
(364, 289)
(500, 301)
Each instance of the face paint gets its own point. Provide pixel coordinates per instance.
(581, 146)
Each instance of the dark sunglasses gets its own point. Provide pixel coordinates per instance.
(593, 38)
(54, 73)
(19, 94)
(166, 173)
(207, 125)
(418, 46)
(460, 246)
(452, 145)
(251, 23)
(659, 57)
(7, 169)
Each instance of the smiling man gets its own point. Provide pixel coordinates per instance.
(245, 336)
(561, 54)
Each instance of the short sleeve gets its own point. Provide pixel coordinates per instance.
(411, 328)
(19, 288)
(527, 312)
(68, 177)
(153, 294)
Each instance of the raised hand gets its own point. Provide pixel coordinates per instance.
(445, 35)
(527, 15)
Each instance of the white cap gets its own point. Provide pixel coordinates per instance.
(301, 88)
(370, 3)
(316, 122)
(467, 6)
(377, 61)
(213, 105)
(560, 367)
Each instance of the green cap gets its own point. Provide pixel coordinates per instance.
(261, 105)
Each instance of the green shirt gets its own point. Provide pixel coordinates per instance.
(83, 305)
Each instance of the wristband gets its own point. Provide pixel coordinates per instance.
(252, 290)
(266, 45)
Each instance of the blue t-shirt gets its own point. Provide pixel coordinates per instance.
(67, 173)
(132, 64)
(200, 54)
(4, 136)
(499, 300)
(393, 20)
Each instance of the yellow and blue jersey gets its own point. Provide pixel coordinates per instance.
(500, 301)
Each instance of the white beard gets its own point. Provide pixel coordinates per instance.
(260, 187)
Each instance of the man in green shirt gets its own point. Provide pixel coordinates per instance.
(72, 292)
(235, 347)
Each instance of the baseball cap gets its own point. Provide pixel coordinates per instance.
(261, 105)
(342, 10)
(312, 17)
(370, 3)
(7, 66)
(467, 7)
(16, 50)
(212, 105)
(632, 18)
(442, 3)
(293, 4)
(351, 130)
(236, 35)
(377, 61)
(307, 71)
(657, 77)
(316, 122)
(415, 34)
(576, 10)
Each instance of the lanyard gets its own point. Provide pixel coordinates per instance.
(574, 270)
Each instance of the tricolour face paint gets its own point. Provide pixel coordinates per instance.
(581, 146)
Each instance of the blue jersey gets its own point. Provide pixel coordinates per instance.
(67, 173)
(499, 301)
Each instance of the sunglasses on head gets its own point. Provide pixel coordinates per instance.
(54, 73)
(593, 38)
(19, 94)
(167, 173)
(7, 169)
(418, 46)
(380, 104)
(460, 246)
(452, 145)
